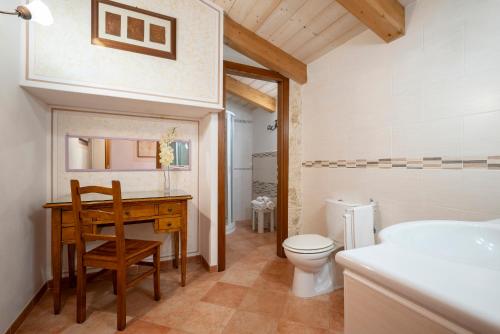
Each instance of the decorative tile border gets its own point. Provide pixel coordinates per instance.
(265, 189)
(490, 162)
(265, 154)
(244, 121)
(494, 162)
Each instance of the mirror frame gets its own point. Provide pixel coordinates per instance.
(172, 168)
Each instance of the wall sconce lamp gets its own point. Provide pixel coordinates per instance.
(35, 11)
(273, 126)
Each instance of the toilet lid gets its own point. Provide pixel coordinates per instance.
(308, 242)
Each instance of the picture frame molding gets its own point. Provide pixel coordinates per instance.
(96, 40)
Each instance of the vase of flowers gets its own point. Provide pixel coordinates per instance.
(167, 157)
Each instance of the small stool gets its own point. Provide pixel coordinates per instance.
(260, 219)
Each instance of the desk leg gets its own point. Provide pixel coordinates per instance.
(56, 248)
(175, 239)
(71, 265)
(184, 244)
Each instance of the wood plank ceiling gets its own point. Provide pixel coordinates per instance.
(266, 87)
(306, 29)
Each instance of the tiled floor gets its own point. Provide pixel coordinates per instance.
(251, 296)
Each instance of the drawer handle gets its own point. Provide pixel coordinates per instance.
(169, 224)
(169, 209)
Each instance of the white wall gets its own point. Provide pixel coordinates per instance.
(432, 93)
(62, 57)
(24, 126)
(208, 185)
(263, 139)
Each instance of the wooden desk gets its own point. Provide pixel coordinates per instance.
(167, 213)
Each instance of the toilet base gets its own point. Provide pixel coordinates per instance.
(308, 284)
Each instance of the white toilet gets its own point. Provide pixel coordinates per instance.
(315, 272)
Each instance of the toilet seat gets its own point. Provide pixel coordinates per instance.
(308, 244)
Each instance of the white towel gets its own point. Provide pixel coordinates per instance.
(270, 205)
(256, 204)
(358, 228)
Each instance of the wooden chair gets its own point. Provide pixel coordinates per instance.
(116, 254)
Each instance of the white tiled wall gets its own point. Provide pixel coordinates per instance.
(433, 92)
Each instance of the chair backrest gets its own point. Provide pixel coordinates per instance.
(85, 217)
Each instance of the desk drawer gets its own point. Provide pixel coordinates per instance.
(68, 233)
(67, 218)
(171, 208)
(167, 224)
(138, 211)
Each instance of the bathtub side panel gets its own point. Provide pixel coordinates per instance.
(372, 309)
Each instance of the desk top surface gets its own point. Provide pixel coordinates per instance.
(135, 196)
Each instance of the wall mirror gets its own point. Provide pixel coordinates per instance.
(87, 154)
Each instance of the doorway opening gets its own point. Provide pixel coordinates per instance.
(257, 164)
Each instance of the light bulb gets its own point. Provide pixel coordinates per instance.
(40, 13)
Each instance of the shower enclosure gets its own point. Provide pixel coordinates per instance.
(230, 223)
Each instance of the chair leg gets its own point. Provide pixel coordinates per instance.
(156, 277)
(113, 278)
(271, 223)
(260, 222)
(81, 292)
(253, 219)
(121, 300)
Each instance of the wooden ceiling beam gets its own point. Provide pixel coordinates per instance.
(257, 48)
(386, 18)
(250, 94)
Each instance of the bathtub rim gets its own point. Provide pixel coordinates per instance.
(364, 262)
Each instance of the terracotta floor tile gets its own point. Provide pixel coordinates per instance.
(225, 294)
(194, 291)
(170, 313)
(206, 318)
(252, 262)
(311, 313)
(274, 283)
(143, 327)
(337, 298)
(264, 302)
(43, 320)
(337, 319)
(252, 296)
(97, 322)
(290, 327)
(244, 322)
(235, 275)
(278, 267)
(176, 331)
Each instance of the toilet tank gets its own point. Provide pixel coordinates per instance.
(335, 210)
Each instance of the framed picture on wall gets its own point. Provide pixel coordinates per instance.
(119, 26)
(146, 149)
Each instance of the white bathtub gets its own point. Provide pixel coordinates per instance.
(448, 272)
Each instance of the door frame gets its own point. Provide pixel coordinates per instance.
(282, 156)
